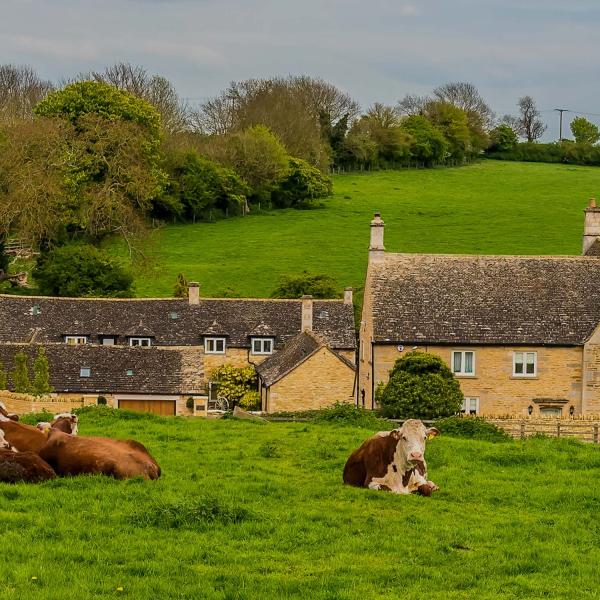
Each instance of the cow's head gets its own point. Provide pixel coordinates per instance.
(412, 437)
(44, 426)
(65, 422)
(4, 444)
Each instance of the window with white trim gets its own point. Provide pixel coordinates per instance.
(140, 342)
(76, 340)
(463, 362)
(262, 345)
(471, 406)
(108, 341)
(214, 345)
(524, 364)
(85, 372)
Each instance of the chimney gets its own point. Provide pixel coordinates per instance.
(307, 313)
(376, 247)
(348, 295)
(194, 292)
(591, 227)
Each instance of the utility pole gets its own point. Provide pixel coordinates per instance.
(561, 111)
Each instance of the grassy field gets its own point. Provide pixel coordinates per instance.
(250, 510)
(489, 208)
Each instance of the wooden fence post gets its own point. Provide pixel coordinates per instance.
(522, 431)
(595, 435)
(558, 429)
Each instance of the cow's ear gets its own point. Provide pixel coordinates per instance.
(432, 432)
(395, 433)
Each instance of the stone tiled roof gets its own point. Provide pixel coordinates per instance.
(455, 299)
(172, 322)
(155, 370)
(594, 249)
(295, 352)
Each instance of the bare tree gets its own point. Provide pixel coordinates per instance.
(466, 96)
(412, 104)
(383, 115)
(20, 90)
(528, 124)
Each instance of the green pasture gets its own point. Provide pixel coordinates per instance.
(493, 207)
(249, 510)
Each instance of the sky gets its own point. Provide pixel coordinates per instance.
(376, 50)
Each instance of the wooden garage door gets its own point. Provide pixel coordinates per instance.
(158, 407)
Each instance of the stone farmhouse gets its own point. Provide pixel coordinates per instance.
(521, 333)
(154, 354)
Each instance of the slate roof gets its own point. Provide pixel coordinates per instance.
(594, 249)
(155, 370)
(172, 322)
(456, 299)
(294, 353)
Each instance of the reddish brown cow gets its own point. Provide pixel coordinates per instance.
(25, 467)
(23, 437)
(393, 461)
(6, 414)
(121, 459)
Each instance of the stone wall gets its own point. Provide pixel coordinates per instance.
(318, 382)
(23, 403)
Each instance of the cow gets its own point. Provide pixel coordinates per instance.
(27, 467)
(393, 461)
(65, 422)
(122, 459)
(4, 414)
(23, 437)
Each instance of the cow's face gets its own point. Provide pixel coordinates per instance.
(412, 437)
(65, 422)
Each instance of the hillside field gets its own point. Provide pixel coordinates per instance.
(249, 510)
(493, 207)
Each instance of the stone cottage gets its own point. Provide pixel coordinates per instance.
(521, 333)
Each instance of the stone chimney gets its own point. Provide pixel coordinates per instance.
(307, 313)
(194, 292)
(591, 227)
(376, 247)
(348, 295)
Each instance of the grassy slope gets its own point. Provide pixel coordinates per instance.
(494, 207)
(512, 520)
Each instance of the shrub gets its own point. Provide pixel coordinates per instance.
(428, 144)
(340, 413)
(189, 403)
(20, 376)
(420, 386)
(235, 383)
(296, 286)
(102, 401)
(303, 184)
(471, 427)
(81, 270)
(503, 138)
(181, 287)
(37, 417)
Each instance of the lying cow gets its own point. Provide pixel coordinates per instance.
(121, 459)
(65, 422)
(25, 467)
(6, 415)
(23, 437)
(393, 461)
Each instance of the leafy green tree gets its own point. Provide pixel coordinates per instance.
(452, 122)
(428, 143)
(302, 184)
(181, 287)
(503, 138)
(20, 376)
(318, 286)
(3, 378)
(584, 132)
(420, 386)
(41, 374)
(238, 385)
(81, 270)
(359, 148)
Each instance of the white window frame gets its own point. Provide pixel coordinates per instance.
(524, 362)
(140, 342)
(76, 340)
(210, 345)
(462, 372)
(261, 342)
(109, 337)
(467, 405)
(86, 369)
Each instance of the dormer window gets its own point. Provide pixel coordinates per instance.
(85, 372)
(109, 340)
(262, 346)
(140, 342)
(76, 340)
(214, 345)
(35, 310)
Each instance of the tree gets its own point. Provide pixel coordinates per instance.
(466, 96)
(3, 378)
(528, 124)
(20, 376)
(78, 270)
(503, 138)
(428, 143)
(238, 385)
(452, 122)
(181, 287)
(41, 371)
(20, 90)
(420, 386)
(584, 132)
(296, 286)
(302, 184)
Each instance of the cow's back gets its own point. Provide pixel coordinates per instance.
(23, 437)
(26, 467)
(370, 460)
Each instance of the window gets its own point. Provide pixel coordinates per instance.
(547, 412)
(262, 345)
(525, 364)
(463, 363)
(85, 372)
(214, 345)
(76, 340)
(129, 372)
(471, 406)
(140, 341)
(109, 341)
(35, 310)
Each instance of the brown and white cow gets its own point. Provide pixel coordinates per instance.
(122, 459)
(4, 413)
(27, 467)
(22, 437)
(393, 461)
(65, 422)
